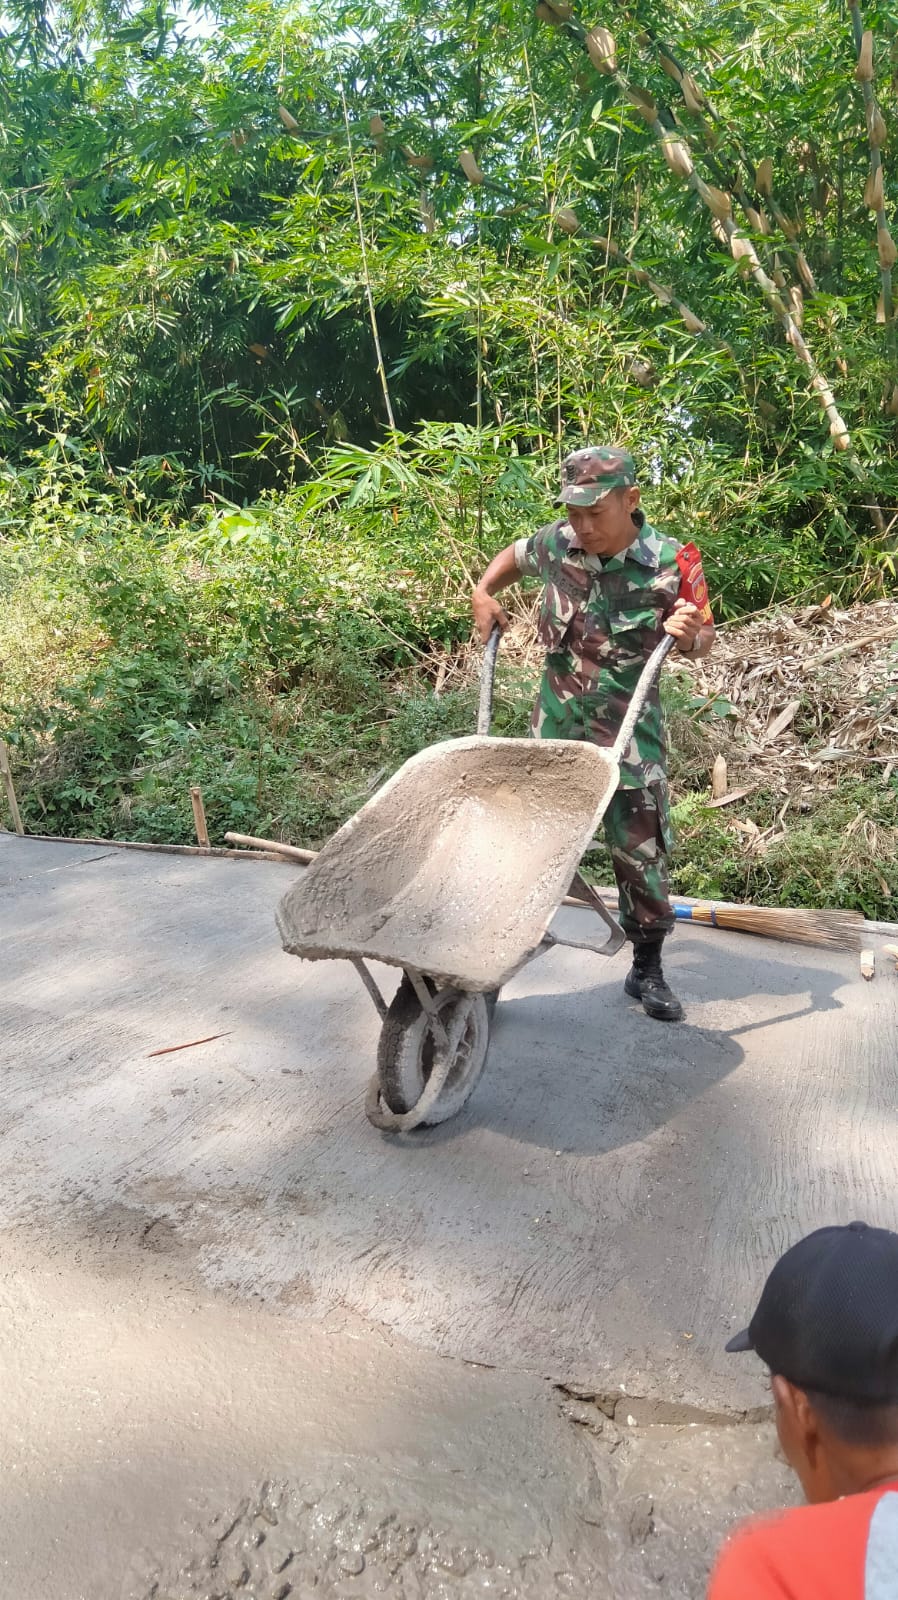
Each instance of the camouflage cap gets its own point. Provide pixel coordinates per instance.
(588, 475)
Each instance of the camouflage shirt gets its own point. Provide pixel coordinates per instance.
(600, 618)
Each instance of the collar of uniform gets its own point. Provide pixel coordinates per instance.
(642, 550)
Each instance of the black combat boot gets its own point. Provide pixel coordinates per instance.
(645, 982)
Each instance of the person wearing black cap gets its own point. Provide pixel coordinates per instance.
(826, 1326)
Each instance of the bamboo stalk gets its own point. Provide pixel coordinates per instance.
(292, 852)
(720, 207)
(10, 790)
(199, 817)
(863, 44)
(156, 849)
(745, 250)
(372, 313)
(662, 293)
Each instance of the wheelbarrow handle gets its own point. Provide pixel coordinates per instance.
(640, 694)
(487, 675)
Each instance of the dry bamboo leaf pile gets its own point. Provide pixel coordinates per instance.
(811, 692)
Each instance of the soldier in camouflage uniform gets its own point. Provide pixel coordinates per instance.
(610, 589)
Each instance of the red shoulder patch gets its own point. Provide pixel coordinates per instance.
(693, 585)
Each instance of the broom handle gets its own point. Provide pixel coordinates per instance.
(641, 693)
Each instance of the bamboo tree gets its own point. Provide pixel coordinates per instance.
(873, 192)
(678, 157)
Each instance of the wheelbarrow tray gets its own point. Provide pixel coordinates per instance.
(458, 864)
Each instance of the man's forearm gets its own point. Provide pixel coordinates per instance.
(501, 572)
(488, 613)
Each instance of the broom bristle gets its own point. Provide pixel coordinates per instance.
(839, 930)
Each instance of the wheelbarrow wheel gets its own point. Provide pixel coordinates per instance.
(408, 1050)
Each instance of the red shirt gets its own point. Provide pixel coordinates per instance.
(844, 1550)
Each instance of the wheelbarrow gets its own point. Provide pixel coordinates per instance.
(453, 871)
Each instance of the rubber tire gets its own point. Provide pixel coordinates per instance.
(405, 1052)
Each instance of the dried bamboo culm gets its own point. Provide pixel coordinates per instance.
(566, 219)
(676, 154)
(555, 12)
(693, 98)
(12, 802)
(874, 198)
(602, 50)
(764, 177)
(720, 206)
(663, 295)
(468, 163)
(643, 102)
(873, 190)
(885, 245)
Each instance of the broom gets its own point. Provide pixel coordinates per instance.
(838, 930)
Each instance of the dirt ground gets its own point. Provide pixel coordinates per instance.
(250, 1347)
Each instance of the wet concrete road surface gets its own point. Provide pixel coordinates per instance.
(217, 1276)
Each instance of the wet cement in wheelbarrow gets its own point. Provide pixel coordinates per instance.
(455, 866)
(483, 1359)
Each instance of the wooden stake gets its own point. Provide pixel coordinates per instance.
(199, 818)
(10, 791)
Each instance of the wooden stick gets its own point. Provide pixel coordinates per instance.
(160, 849)
(169, 1049)
(852, 645)
(10, 790)
(199, 817)
(274, 846)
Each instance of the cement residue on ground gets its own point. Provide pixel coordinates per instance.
(217, 1275)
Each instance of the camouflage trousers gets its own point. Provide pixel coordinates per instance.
(637, 822)
(638, 834)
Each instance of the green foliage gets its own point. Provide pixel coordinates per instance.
(231, 651)
(184, 285)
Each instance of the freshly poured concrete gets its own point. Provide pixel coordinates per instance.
(215, 1272)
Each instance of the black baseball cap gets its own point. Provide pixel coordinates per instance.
(827, 1318)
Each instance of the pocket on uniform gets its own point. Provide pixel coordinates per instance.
(634, 619)
(661, 796)
(555, 616)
